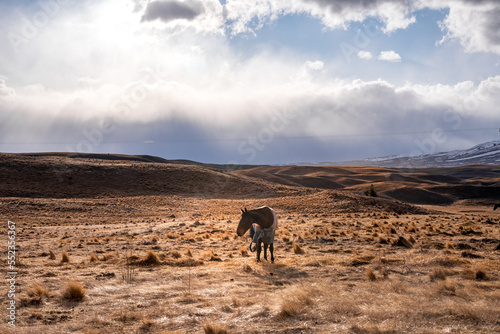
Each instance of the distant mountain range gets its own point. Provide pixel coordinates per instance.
(482, 154)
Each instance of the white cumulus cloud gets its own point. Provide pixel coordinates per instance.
(365, 55)
(390, 56)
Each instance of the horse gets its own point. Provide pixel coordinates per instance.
(262, 223)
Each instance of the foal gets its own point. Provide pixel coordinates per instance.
(262, 223)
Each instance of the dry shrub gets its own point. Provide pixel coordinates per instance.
(151, 258)
(74, 291)
(65, 257)
(93, 257)
(294, 302)
(297, 249)
(52, 255)
(370, 274)
(449, 245)
(211, 327)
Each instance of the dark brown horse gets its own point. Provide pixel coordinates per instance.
(262, 223)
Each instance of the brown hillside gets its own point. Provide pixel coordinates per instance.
(433, 186)
(63, 176)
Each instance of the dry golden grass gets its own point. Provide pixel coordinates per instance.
(294, 302)
(64, 257)
(370, 274)
(297, 249)
(74, 291)
(52, 255)
(175, 254)
(151, 258)
(35, 294)
(93, 257)
(427, 288)
(214, 328)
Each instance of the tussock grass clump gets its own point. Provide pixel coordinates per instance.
(93, 257)
(151, 258)
(480, 275)
(36, 294)
(52, 255)
(370, 274)
(382, 240)
(297, 249)
(74, 291)
(189, 253)
(175, 254)
(65, 257)
(294, 302)
(211, 327)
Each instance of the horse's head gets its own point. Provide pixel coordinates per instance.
(246, 222)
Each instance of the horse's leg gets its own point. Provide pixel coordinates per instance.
(265, 251)
(271, 250)
(259, 249)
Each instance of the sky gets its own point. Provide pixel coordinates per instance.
(249, 81)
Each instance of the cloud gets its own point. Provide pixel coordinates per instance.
(473, 23)
(365, 55)
(174, 16)
(316, 65)
(251, 15)
(5, 91)
(170, 10)
(390, 56)
(177, 79)
(250, 117)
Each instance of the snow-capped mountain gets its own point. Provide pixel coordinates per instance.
(482, 154)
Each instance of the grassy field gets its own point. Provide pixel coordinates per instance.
(334, 273)
(173, 264)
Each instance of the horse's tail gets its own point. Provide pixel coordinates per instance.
(250, 247)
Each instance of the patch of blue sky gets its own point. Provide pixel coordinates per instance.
(423, 59)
